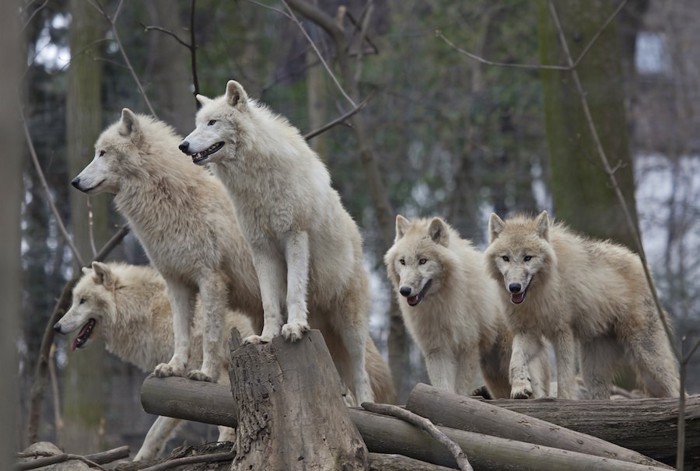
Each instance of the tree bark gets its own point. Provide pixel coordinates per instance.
(85, 383)
(465, 413)
(384, 434)
(11, 194)
(290, 409)
(385, 462)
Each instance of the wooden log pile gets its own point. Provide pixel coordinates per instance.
(285, 401)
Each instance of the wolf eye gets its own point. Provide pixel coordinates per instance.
(402, 261)
(506, 258)
(211, 122)
(422, 261)
(82, 300)
(101, 153)
(527, 258)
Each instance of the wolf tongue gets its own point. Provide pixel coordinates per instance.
(518, 298)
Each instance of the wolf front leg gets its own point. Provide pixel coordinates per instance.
(526, 348)
(442, 369)
(565, 349)
(297, 256)
(182, 301)
(269, 266)
(213, 296)
(156, 438)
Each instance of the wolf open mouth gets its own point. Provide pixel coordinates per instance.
(200, 157)
(83, 335)
(415, 300)
(518, 298)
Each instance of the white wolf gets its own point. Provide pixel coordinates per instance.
(127, 307)
(568, 288)
(453, 310)
(303, 241)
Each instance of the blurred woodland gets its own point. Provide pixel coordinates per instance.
(456, 120)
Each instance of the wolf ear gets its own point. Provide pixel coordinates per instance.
(438, 232)
(235, 95)
(202, 99)
(401, 226)
(129, 123)
(542, 222)
(103, 274)
(496, 226)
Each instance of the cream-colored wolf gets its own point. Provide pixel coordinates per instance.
(304, 242)
(571, 289)
(453, 310)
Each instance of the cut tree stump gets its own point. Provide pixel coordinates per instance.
(464, 413)
(289, 402)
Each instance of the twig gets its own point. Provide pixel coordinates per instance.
(113, 26)
(571, 66)
(45, 186)
(34, 13)
(109, 455)
(37, 389)
(213, 458)
(193, 55)
(425, 425)
(361, 40)
(147, 28)
(54, 459)
(54, 390)
(318, 53)
(338, 120)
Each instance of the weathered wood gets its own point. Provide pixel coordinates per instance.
(384, 462)
(465, 413)
(383, 434)
(291, 413)
(648, 426)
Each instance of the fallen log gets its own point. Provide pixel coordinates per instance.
(649, 426)
(383, 434)
(471, 415)
(291, 414)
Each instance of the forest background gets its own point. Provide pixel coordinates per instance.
(452, 118)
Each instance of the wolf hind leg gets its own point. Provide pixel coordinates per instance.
(182, 301)
(297, 257)
(565, 349)
(213, 295)
(599, 359)
(655, 362)
(158, 435)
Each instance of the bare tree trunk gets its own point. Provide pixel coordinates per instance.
(84, 379)
(291, 414)
(11, 194)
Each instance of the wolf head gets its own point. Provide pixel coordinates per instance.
(220, 129)
(121, 153)
(93, 302)
(519, 254)
(418, 260)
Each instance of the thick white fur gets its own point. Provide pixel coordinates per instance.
(578, 289)
(186, 224)
(460, 323)
(304, 243)
(133, 317)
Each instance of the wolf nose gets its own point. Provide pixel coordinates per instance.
(514, 287)
(405, 291)
(184, 146)
(57, 327)
(76, 182)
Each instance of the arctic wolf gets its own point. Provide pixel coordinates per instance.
(187, 224)
(127, 307)
(303, 241)
(568, 288)
(452, 309)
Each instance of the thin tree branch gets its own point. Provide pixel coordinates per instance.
(54, 459)
(571, 66)
(361, 40)
(213, 458)
(193, 55)
(425, 425)
(268, 7)
(167, 32)
(338, 120)
(313, 14)
(45, 186)
(34, 13)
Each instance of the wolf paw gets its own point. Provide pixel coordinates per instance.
(256, 339)
(521, 390)
(294, 332)
(165, 370)
(199, 375)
